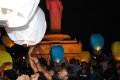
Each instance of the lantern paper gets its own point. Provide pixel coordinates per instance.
(56, 53)
(7, 41)
(17, 12)
(2, 47)
(32, 33)
(96, 41)
(5, 57)
(116, 50)
(85, 56)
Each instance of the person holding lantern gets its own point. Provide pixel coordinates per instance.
(38, 68)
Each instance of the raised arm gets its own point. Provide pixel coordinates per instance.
(32, 64)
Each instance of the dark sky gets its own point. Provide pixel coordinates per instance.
(81, 18)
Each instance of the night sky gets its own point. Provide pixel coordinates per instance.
(82, 18)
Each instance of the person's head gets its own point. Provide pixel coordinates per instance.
(92, 68)
(43, 62)
(84, 64)
(118, 70)
(51, 72)
(63, 74)
(10, 74)
(37, 49)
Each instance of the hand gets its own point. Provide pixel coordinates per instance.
(35, 76)
(30, 50)
(34, 59)
(23, 77)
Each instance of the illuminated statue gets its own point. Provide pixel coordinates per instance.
(55, 8)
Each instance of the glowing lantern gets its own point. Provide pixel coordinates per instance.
(116, 50)
(2, 47)
(7, 41)
(5, 57)
(32, 33)
(85, 56)
(17, 13)
(57, 53)
(97, 42)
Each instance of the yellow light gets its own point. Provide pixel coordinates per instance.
(85, 56)
(58, 60)
(98, 48)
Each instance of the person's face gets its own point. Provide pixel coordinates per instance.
(118, 71)
(62, 73)
(37, 50)
(51, 72)
(91, 68)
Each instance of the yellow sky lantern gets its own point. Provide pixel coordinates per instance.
(7, 41)
(5, 57)
(17, 13)
(116, 50)
(85, 56)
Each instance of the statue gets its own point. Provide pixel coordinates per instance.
(55, 8)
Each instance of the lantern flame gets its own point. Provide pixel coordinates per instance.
(58, 60)
(98, 48)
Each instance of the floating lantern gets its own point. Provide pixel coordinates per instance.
(32, 33)
(97, 43)
(18, 12)
(5, 57)
(57, 53)
(2, 47)
(85, 56)
(116, 50)
(7, 41)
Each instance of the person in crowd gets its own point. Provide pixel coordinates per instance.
(26, 77)
(84, 73)
(109, 72)
(94, 75)
(10, 75)
(38, 68)
(72, 69)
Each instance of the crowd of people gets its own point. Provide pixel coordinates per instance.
(65, 70)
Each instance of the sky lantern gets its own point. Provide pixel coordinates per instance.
(97, 43)
(5, 57)
(85, 56)
(2, 47)
(56, 53)
(24, 19)
(17, 13)
(32, 33)
(116, 50)
(7, 41)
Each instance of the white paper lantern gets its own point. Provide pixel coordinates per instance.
(32, 33)
(16, 13)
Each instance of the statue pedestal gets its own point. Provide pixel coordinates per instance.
(72, 48)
